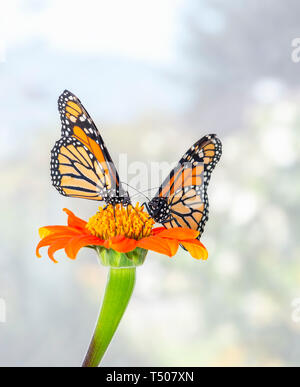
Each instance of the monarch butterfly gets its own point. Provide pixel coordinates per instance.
(81, 166)
(182, 199)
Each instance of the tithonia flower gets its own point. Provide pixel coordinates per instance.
(121, 229)
(122, 237)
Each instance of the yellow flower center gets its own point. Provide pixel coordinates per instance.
(131, 222)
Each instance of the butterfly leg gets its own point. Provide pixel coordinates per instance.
(146, 205)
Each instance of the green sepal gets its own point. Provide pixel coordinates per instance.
(112, 258)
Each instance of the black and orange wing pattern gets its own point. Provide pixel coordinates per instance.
(182, 199)
(81, 166)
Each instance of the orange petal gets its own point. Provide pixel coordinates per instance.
(49, 240)
(74, 221)
(123, 244)
(157, 230)
(59, 244)
(76, 243)
(159, 245)
(107, 244)
(179, 233)
(44, 231)
(173, 245)
(196, 249)
(59, 230)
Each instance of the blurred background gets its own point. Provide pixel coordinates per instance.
(156, 76)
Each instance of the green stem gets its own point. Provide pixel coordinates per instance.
(118, 291)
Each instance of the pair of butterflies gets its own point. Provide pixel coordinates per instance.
(81, 167)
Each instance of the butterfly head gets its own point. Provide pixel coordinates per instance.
(121, 198)
(158, 209)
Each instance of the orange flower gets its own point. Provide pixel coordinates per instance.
(119, 228)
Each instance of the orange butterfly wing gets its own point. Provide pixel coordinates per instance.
(80, 163)
(185, 189)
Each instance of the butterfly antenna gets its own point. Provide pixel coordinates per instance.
(139, 192)
(146, 190)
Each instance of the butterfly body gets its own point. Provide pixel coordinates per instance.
(182, 199)
(158, 208)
